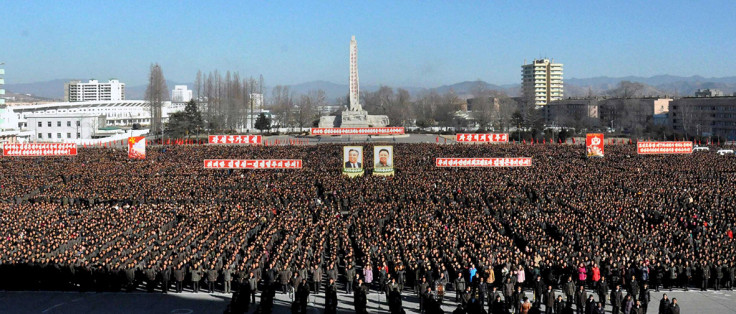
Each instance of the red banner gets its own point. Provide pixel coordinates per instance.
(484, 162)
(594, 144)
(41, 149)
(358, 131)
(235, 139)
(137, 147)
(486, 138)
(649, 148)
(252, 163)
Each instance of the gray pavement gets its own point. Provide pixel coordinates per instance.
(141, 302)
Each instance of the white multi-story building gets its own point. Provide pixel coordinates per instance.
(181, 94)
(541, 82)
(123, 114)
(64, 127)
(94, 91)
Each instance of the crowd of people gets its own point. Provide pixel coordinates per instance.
(567, 233)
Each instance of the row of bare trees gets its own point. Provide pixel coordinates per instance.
(228, 99)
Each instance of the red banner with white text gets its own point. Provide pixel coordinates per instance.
(651, 148)
(252, 163)
(484, 138)
(40, 149)
(484, 162)
(358, 131)
(235, 139)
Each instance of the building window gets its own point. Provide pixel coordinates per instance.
(49, 134)
(78, 136)
(40, 135)
(49, 123)
(68, 123)
(40, 124)
(78, 123)
(58, 123)
(68, 135)
(58, 135)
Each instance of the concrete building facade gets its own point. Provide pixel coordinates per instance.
(542, 82)
(704, 116)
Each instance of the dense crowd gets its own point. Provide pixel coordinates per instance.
(99, 221)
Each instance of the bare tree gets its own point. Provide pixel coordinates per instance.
(156, 94)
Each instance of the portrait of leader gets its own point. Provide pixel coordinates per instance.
(353, 156)
(383, 156)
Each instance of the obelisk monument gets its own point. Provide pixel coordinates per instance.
(354, 81)
(354, 116)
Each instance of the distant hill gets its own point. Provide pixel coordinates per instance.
(53, 89)
(665, 84)
(659, 85)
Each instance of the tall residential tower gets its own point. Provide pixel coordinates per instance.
(541, 82)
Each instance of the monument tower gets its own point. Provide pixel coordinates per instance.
(354, 116)
(354, 82)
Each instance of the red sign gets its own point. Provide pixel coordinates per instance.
(357, 131)
(649, 148)
(484, 162)
(252, 163)
(137, 147)
(41, 149)
(486, 138)
(594, 144)
(235, 139)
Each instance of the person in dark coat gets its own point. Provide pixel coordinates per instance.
(349, 279)
(227, 278)
(539, 288)
(602, 291)
(360, 299)
(674, 307)
(560, 305)
(151, 278)
(394, 302)
(549, 300)
(617, 298)
(211, 279)
(664, 305)
(316, 278)
(331, 297)
(302, 295)
(196, 274)
(179, 274)
(644, 297)
(252, 285)
(590, 305)
(165, 274)
(581, 296)
(459, 286)
(498, 306)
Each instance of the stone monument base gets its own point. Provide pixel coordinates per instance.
(354, 119)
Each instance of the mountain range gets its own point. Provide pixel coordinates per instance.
(659, 85)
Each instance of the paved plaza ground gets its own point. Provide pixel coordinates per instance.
(184, 303)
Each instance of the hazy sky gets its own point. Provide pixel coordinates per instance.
(400, 42)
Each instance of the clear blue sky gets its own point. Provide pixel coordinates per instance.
(400, 43)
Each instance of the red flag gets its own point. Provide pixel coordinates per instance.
(544, 141)
(524, 140)
(560, 141)
(437, 139)
(573, 140)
